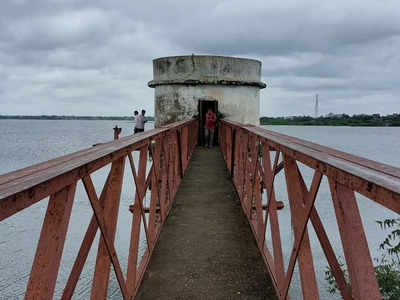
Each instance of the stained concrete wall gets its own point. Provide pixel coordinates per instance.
(181, 81)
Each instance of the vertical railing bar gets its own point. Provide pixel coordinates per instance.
(179, 150)
(259, 211)
(84, 249)
(327, 248)
(233, 154)
(269, 190)
(46, 264)
(271, 211)
(164, 179)
(330, 255)
(297, 201)
(355, 245)
(244, 164)
(170, 178)
(131, 276)
(110, 217)
(311, 197)
(139, 193)
(98, 212)
(152, 213)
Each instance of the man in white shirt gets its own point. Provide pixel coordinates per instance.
(140, 120)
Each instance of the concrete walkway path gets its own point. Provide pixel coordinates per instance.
(206, 249)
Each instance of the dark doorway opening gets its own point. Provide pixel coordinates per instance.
(203, 107)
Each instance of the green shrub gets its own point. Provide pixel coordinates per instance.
(387, 267)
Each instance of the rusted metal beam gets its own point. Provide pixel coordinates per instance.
(374, 180)
(234, 152)
(330, 255)
(302, 224)
(327, 248)
(164, 179)
(22, 188)
(179, 153)
(84, 250)
(185, 147)
(42, 280)
(111, 208)
(133, 250)
(355, 246)
(305, 260)
(379, 182)
(108, 241)
(141, 185)
(272, 213)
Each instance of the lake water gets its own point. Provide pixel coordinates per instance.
(26, 142)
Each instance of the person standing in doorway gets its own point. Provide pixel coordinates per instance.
(139, 121)
(209, 128)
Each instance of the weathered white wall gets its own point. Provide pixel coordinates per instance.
(181, 81)
(179, 102)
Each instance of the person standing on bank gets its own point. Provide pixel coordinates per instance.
(140, 120)
(209, 128)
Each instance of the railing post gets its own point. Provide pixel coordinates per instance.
(131, 278)
(84, 249)
(297, 201)
(184, 148)
(180, 163)
(355, 246)
(45, 266)
(164, 177)
(228, 147)
(234, 150)
(111, 206)
(273, 216)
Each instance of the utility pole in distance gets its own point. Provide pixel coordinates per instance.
(316, 106)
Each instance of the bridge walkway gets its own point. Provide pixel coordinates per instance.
(206, 248)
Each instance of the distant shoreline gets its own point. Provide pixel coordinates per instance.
(89, 118)
(374, 120)
(332, 125)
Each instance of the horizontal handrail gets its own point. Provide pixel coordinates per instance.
(29, 185)
(170, 148)
(378, 181)
(248, 150)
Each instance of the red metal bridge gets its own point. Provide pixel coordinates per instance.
(206, 249)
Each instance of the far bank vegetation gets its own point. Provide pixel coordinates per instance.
(335, 120)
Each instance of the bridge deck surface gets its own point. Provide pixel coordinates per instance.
(206, 248)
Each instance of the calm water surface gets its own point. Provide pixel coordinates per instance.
(26, 142)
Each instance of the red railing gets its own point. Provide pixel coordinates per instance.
(248, 150)
(170, 148)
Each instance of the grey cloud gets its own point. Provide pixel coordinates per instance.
(94, 57)
(286, 26)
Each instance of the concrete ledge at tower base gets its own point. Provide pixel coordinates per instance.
(259, 84)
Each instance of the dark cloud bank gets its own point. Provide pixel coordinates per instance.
(94, 57)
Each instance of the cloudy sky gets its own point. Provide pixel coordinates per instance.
(95, 57)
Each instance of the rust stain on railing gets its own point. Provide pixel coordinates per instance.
(247, 152)
(170, 148)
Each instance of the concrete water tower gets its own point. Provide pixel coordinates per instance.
(186, 86)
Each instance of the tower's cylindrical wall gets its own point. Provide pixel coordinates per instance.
(181, 81)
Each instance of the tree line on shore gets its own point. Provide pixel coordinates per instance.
(335, 120)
